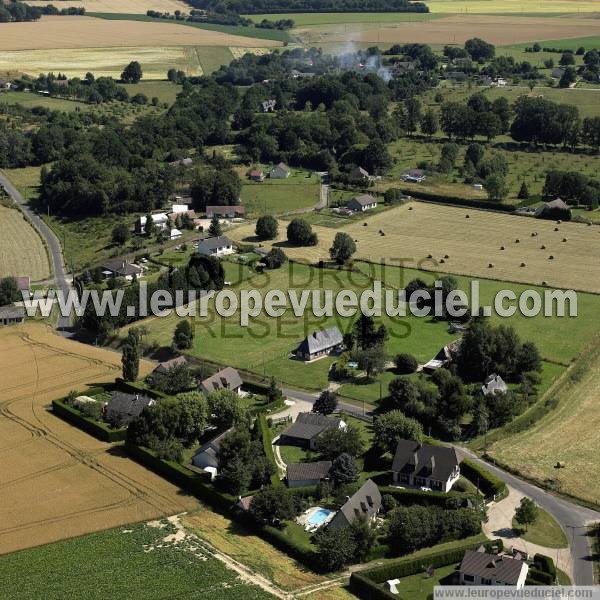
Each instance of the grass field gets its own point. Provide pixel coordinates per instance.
(22, 251)
(569, 433)
(544, 532)
(50, 33)
(165, 91)
(81, 485)
(120, 6)
(138, 561)
(308, 19)
(418, 230)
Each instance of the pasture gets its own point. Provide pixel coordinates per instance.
(569, 433)
(456, 29)
(80, 484)
(120, 6)
(158, 559)
(22, 251)
(50, 33)
(418, 230)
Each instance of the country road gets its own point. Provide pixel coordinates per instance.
(572, 517)
(52, 243)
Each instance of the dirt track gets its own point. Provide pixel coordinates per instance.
(56, 481)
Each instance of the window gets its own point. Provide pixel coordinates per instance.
(486, 582)
(469, 578)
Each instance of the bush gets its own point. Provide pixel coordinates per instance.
(489, 484)
(537, 577)
(406, 363)
(545, 563)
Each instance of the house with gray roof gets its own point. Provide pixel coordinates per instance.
(120, 267)
(216, 246)
(359, 173)
(365, 503)
(320, 343)
(167, 365)
(311, 473)
(423, 465)
(228, 211)
(11, 314)
(362, 203)
(307, 428)
(480, 568)
(207, 456)
(123, 407)
(493, 384)
(280, 171)
(226, 379)
(555, 209)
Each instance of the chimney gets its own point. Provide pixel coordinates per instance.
(432, 463)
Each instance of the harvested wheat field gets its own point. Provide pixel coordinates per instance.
(121, 6)
(57, 481)
(417, 230)
(88, 32)
(456, 29)
(22, 251)
(103, 62)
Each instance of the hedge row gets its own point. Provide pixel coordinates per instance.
(546, 564)
(265, 433)
(537, 577)
(413, 496)
(489, 484)
(367, 584)
(99, 430)
(458, 201)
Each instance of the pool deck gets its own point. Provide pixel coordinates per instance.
(305, 517)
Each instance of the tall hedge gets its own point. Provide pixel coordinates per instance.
(488, 483)
(265, 433)
(99, 430)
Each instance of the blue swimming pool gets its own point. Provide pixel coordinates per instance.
(319, 517)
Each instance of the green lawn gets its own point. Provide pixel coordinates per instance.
(165, 91)
(420, 586)
(31, 100)
(211, 58)
(544, 532)
(132, 562)
(307, 19)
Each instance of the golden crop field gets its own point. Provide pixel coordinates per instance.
(237, 52)
(569, 434)
(109, 62)
(88, 32)
(121, 6)
(456, 29)
(512, 6)
(417, 230)
(57, 481)
(22, 251)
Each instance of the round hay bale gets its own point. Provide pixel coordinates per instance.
(517, 241)
(381, 233)
(502, 248)
(534, 234)
(564, 239)
(491, 266)
(523, 264)
(446, 256)
(365, 224)
(467, 217)
(551, 257)
(410, 208)
(559, 221)
(545, 283)
(442, 261)
(430, 256)
(556, 229)
(543, 247)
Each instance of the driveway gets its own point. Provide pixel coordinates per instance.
(53, 245)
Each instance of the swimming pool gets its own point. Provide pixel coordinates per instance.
(319, 517)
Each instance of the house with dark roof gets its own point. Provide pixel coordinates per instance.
(120, 267)
(555, 209)
(320, 343)
(122, 407)
(280, 171)
(226, 211)
(493, 384)
(365, 503)
(423, 465)
(480, 568)
(359, 173)
(311, 473)
(226, 379)
(307, 428)
(207, 456)
(216, 246)
(11, 314)
(362, 203)
(165, 366)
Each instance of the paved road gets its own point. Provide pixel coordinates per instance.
(572, 517)
(58, 268)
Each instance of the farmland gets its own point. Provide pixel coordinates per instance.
(118, 6)
(22, 251)
(133, 560)
(81, 485)
(418, 230)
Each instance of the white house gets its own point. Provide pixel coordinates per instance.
(161, 221)
(175, 234)
(216, 246)
(179, 208)
(481, 568)
(362, 203)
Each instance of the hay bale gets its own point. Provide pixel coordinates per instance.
(544, 283)
(502, 248)
(446, 256)
(430, 256)
(523, 264)
(410, 208)
(556, 229)
(365, 224)
(467, 217)
(442, 261)
(517, 241)
(543, 247)
(491, 266)
(559, 221)
(551, 257)
(564, 239)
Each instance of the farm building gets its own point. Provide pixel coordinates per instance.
(312, 473)
(11, 314)
(122, 407)
(414, 176)
(365, 503)
(257, 175)
(424, 465)
(308, 426)
(320, 343)
(280, 171)
(362, 203)
(480, 568)
(226, 379)
(359, 173)
(179, 208)
(216, 246)
(225, 212)
(493, 384)
(119, 267)
(160, 220)
(5, 85)
(443, 358)
(163, 367)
